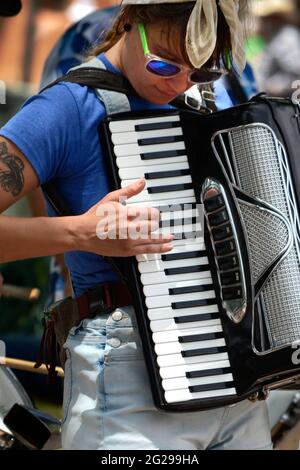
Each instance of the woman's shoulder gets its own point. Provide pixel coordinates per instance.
(66, 104)
(71, 94)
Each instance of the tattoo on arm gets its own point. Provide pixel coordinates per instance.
(11, 171)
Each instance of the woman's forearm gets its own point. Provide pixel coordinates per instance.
(96, 231)
(22, 238)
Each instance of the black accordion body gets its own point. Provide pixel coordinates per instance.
(219, 315)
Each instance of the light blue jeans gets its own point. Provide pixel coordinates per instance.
(108, 402)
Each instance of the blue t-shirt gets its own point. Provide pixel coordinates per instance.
(57, 131)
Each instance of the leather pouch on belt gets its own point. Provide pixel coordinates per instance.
(59, 318)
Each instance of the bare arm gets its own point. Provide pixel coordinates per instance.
(22, 238)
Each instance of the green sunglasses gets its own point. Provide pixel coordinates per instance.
(167, 69)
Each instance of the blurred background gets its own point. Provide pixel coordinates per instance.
(43, 41)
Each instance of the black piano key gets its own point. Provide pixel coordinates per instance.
(187, 269)
(190, 289)
(210, 387)
(228, 262)
(177, 222)
(232, 277)
(184, 255)
(193, 303)
(199, 317)
(232, 293)
(156, 126)
(163, 154)
(200, 337)
(169, 139)
(195, 374)
(166, 174)
(169, 188)
(177, 207)
(214, 203)
(225, 248)
(220, 233)
(203, 351)
(218, 218)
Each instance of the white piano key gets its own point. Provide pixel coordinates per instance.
(168, 360)
(136, 160)
(138, 172)
(166, 300)
(144, 196)
(181, 249)
(181, 370)
(176, 347)
(127, 125)
(171, 203)
(121, 138)
(161, 182)
(168, 312)
(135, 149)
(173, 335)
(189, 242)
(159, 265)
(163, 289)
(159, 277)
(185, 395)
(181, 383)
(169, 324)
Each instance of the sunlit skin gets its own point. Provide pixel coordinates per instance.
(129, 57)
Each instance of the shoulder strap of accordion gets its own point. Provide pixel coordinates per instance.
(95, 78)
(104, 79)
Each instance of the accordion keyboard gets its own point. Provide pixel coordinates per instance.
(182, 309)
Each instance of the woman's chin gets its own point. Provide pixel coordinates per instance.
(157, 97)
(161, 98)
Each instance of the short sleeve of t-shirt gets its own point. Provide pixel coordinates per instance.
(44, 131)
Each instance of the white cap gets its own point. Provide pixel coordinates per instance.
(267, 7)
(201, 35)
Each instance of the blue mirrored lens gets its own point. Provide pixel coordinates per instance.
(162, 68)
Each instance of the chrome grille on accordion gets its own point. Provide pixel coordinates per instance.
(247, 155)
(260, 168)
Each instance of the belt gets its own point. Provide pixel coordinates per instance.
(103, 299)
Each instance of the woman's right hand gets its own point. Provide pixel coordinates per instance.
(113, 229)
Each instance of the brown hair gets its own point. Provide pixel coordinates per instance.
(176, 17)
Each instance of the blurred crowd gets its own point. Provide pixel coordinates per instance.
(26, 39)
(277, 63)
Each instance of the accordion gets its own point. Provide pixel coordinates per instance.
(219, 315)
